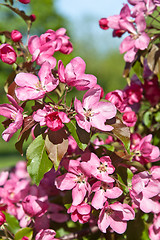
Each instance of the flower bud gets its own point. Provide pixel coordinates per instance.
(24, 1)
(16, 35)
(7, 53)
(103, 23)
(32, 17)
(2, 218)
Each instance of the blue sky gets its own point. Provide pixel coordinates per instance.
(84, 15)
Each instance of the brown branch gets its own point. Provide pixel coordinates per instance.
(80, 234)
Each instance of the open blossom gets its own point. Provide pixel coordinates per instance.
(42, 48)
(103, 191)
(80, 212)
(31, 88)
(99, 168)
(74, 74)
(14, 113)
(154, 229)
(147, 151)
(116, 216)
(7, 53)
(137, 39)
(92, 112)
(76, 180)
(146, 189)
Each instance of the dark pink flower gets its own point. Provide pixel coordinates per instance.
(24, 1)
(16, 35)
(129, 117)
(80, 212)
(7, 54)
(47, 234)
(103, 23)
(2, 218)
(56, 120)
(33, 206)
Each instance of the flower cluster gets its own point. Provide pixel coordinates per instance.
(97, 156)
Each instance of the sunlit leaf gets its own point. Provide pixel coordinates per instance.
(12, 223)
(81, 136)
(24, 232)
(38, 161)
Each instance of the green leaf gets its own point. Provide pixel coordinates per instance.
(108, 147)
(56, 144)
(38, 161)
(147, 119)
(137, 68)
(122, 132)
(12, 222)
(81, 136)
(157, 116)
(24, 232)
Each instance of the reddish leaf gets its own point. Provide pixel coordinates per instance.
(56, 144)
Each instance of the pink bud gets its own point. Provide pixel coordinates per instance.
(32, 17)
(7, 53)
(25, 238)
(24, 1)
(2, 218)
(103, 23)
(16, 35)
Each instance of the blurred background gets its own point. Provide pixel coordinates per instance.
(96, 46)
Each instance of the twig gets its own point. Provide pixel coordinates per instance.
(80, 234)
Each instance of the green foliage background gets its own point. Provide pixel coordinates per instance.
(107, 67)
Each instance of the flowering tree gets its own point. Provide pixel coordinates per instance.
(92, 167)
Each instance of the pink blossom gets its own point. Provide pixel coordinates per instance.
(144, 190)
(134, 92)
(31, 88)
(99, 168)
(40, 114)
(80, 212)
(118, 98)
(47, 234)
(129, 117)
(147, 151)
(137, 39)
(33, 206)
(41, 53)
(74, 74)
(16, 35)
(92, 112)
(154, 229)
(56, 120)
(3, 177)
(103, 191)
(74, 179)
(14, 113)
(7, 53)
(116, 216)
